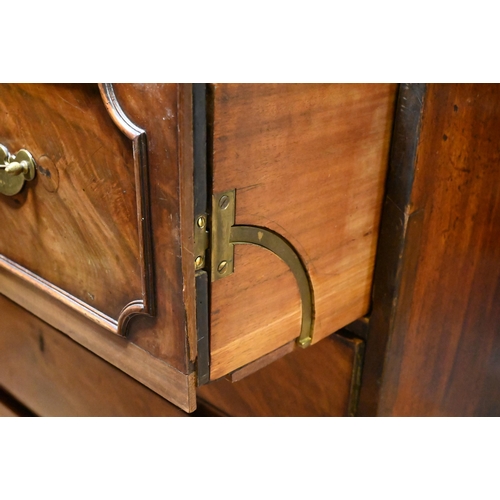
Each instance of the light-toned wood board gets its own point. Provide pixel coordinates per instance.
(81, 207)
(241, 325)
(136, 362)
(312, 382)
(309, 162)
(260, 363)
(54, 376)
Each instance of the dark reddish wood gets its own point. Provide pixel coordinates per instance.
(77, 241)
(393, 254)
(443, 349)
(165, 112)
(312, 382)
(89, 218)
(54, 376)
(83, 224)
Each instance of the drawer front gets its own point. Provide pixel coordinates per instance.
(94, 245)
(54, 376)
(306, 165)
(76, 224)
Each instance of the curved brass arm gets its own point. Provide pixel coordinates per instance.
(254, 235)
(225, 234)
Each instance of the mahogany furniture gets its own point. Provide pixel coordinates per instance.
(252, 250)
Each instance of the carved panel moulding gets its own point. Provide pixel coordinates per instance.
(23, 278)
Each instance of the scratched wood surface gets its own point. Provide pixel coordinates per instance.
(54, 376)
(76, 224)
(311, 383)
(444, 352)
(309, 162)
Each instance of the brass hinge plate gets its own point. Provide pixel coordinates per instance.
(223, 209)
(200, 241)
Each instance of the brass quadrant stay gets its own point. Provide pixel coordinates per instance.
(225, 234)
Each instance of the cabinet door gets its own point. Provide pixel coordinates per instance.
(94, 244)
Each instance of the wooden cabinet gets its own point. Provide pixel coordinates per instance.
(184, 243)
(184, 233)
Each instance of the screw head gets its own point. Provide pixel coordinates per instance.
(202, 221)
(222, 267)
(224, 202)
(199, 261)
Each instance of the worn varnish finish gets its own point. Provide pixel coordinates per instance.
(76, 226)
(315, 382)
(54, 376)
(443, 350)
(309, 162)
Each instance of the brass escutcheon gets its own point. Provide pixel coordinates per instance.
(15, 170)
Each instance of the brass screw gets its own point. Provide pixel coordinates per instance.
(224, 202)
(201, 221)
(222, 267)
(199, 261)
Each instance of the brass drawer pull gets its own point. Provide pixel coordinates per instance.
(15, 170)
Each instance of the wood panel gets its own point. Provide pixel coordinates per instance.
(81, 208)
(308, 162)
(160, 350)
(79, 225)
(165, 112)
(316, 382)
(443, 348)
(54, 376)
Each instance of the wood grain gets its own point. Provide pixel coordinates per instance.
(54, 376)
(77, 226)
(443, 352)
(165, 112)
(260, 363)
(393, 253)
(309, 162)
(88, 216)
(312, 382)
(159, 376)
